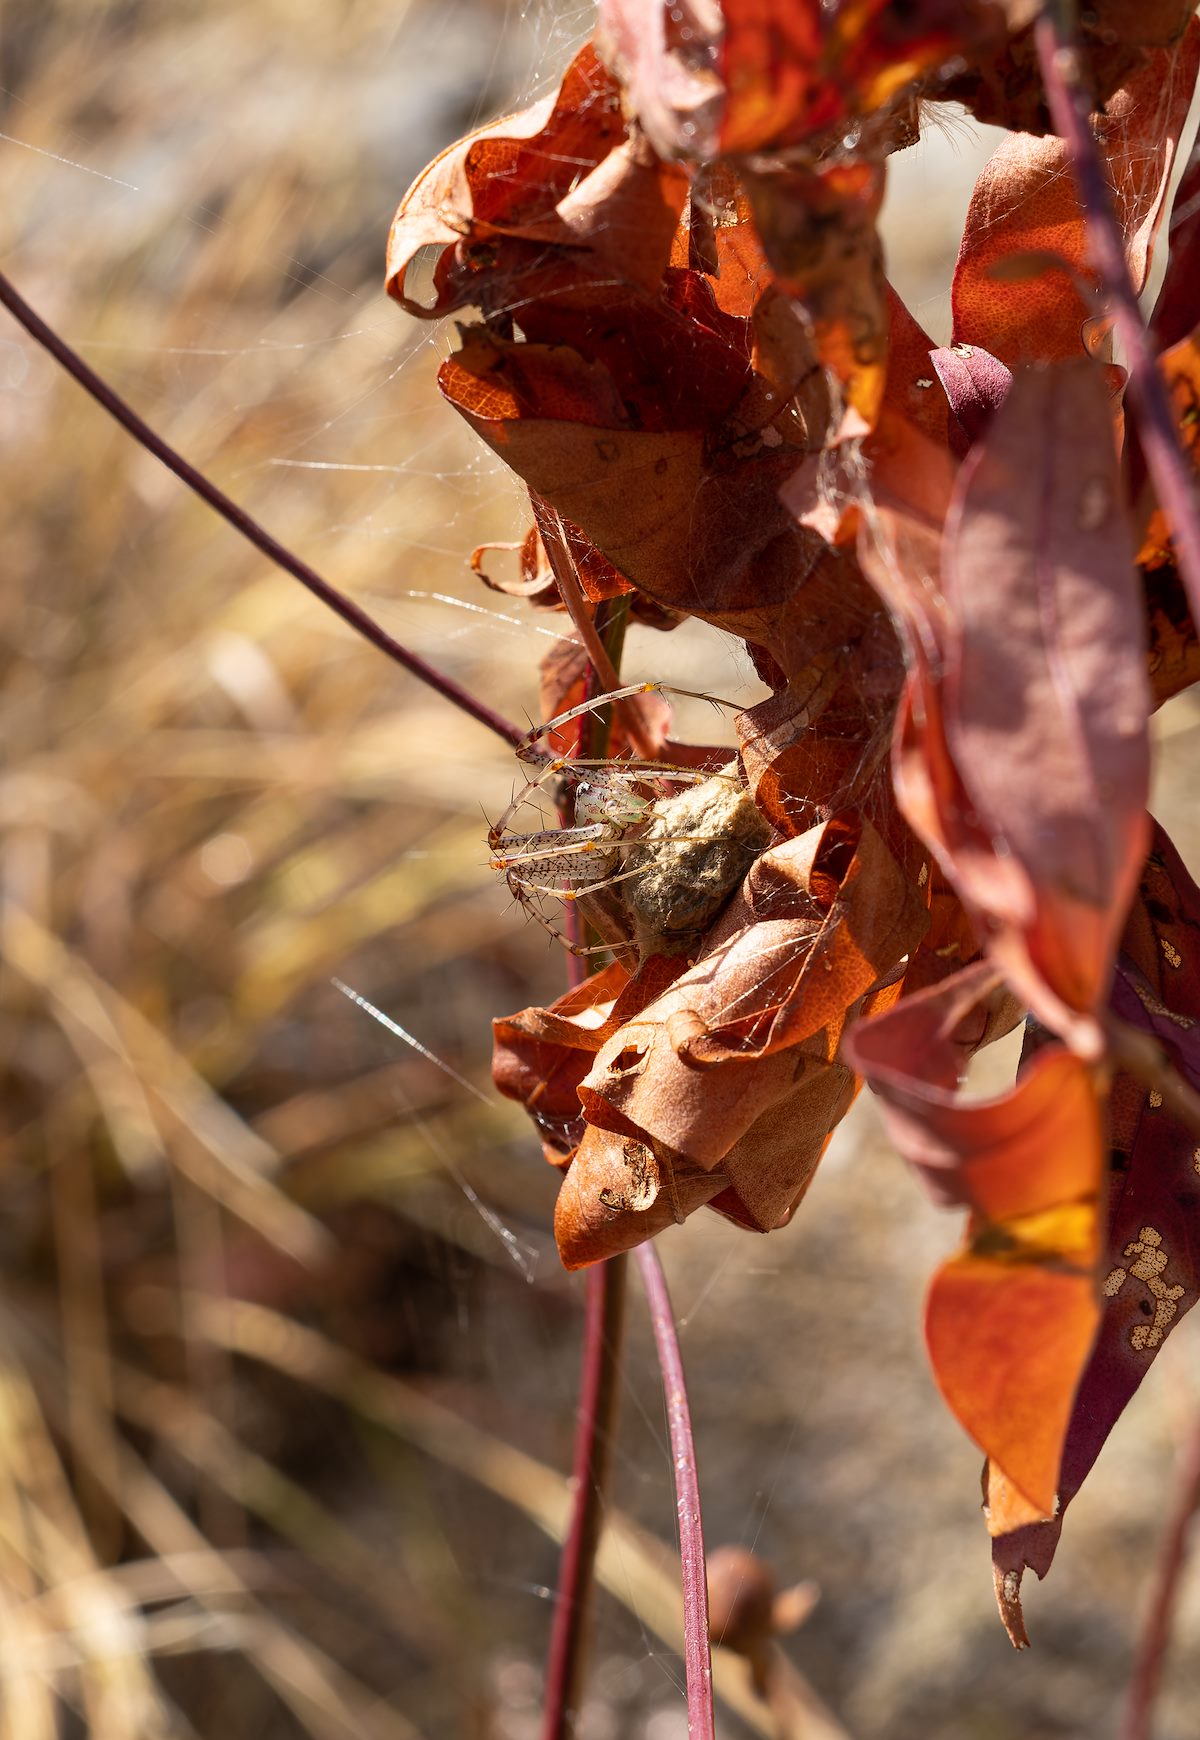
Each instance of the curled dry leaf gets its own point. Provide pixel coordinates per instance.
(695, 524)
(726, 1086)
(1010, 1320)
(1149, 1272)
(559, 193)
(541, 1055)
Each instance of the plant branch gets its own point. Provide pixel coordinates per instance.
(603, 1334)
(696, 1656)
(1070, 109)
(242, 522)
(1152, 1646)
(605, 660)
(604, 1318)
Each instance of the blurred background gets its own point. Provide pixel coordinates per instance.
(287, 1363)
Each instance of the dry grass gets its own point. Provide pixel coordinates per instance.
(214, 801)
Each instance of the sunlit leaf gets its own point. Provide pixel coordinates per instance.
(1010, 1320)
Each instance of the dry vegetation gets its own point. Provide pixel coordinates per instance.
(247, 1302)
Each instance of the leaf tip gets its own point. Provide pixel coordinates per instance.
(1008, 1600)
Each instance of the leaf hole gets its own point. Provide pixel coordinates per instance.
(629, 1059)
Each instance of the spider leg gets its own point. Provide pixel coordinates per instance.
(525, 749)
(517, 888)
(549, 848)
(499, 828)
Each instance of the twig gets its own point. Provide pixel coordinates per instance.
(1152, 1647)
(600, 1356)
(558, 553)
(604, 1316)
(696, 1656)
(554, 537)
(249, 527)
(1070, 110)
(1131, 1052)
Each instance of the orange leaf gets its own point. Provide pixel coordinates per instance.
(1150, 1273)
(1011, 1319)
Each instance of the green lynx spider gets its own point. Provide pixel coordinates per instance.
(609, 805)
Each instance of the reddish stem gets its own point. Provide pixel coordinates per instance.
(1152, 1647)
(241, 521)
(603, 1332)
(696, 1656)
(604, 1315)
(1070, 110)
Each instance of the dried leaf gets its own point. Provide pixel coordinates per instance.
(818, 231)
(695, 525)
(1005, 87)
(1025, 761)
(1025, 201)
(733, 1070)
(559, 195)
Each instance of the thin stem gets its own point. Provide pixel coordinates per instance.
(600, 1365)
(612, 619)
(1152, 1647)
(601, 654)
(604, 1318)
(242, 522)
(554, 537)
(1070, 110)
(696, 1656)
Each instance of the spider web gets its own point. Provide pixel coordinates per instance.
(219, 803)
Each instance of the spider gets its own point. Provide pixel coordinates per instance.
(674, 855)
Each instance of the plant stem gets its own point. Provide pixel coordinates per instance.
(242, 522)
(1152, 1647)
(600, 1358)
(696, 1656)
(604, 1319)
(612, 619)
(1070, 110)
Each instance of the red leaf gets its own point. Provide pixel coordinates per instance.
(976, 385)
(519, 201)
(1025, 762)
